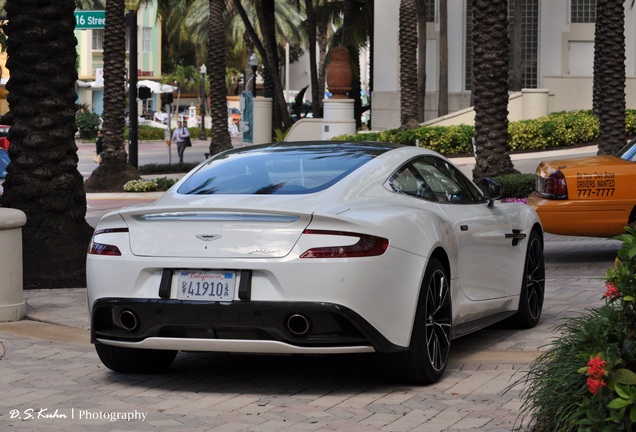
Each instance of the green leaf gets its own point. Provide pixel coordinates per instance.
(624, 376)
(619, 403)
(632, 252)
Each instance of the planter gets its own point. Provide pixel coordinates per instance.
(339, 74)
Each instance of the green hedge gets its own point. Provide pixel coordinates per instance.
(149, 133)
(557, 130)
(516, 185)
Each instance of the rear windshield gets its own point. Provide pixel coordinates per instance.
(276, 171)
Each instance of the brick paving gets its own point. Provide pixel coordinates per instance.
(51, 378)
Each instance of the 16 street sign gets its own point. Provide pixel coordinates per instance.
(94, 19)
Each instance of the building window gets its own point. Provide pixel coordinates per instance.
(430, 10)
(582, 11)
(529, 43)
(145, 39)
(98, 40)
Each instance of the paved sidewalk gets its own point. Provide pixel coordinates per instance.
(51, 378)
(46, 362)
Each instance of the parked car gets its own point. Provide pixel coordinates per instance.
(314, 248)
(4, 133)
(587, 196)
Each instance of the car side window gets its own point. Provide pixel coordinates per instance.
(434, 179)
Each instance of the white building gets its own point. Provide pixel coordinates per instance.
(558, 52)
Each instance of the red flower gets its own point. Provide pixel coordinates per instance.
(596, 368)
(612, 292)
(593, 384)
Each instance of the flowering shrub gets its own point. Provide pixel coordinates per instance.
(601, 394)
(140, 186)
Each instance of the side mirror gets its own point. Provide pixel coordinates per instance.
(491, 190)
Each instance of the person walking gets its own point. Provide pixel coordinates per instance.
(182, 137)
(99, 142)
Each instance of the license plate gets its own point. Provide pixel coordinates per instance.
(205, 285)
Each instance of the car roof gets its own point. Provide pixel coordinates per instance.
(361, 146)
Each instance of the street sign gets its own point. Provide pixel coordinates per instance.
(93, 19)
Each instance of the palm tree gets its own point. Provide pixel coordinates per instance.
(267, 57)
(490, 88)
(113, 171)
(90, 4)
(313, 66)
(609, 75)
(408, 63)
(186, 78)
(217, 64)
(43, 179)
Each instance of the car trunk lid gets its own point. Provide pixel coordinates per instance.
(215, 234)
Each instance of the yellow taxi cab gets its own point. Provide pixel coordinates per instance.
(587, 196)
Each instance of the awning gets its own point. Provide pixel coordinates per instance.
(89, 84)
(156, 87)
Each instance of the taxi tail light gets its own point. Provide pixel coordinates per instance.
(366, 246)
(554, 186)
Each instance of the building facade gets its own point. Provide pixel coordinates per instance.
(91, 60)
(557, 55)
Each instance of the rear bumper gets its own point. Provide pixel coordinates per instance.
(239, 326)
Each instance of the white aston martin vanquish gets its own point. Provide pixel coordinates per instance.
(314, 248)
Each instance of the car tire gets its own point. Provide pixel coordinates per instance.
(427, 356)
(134, 360)
(533, 286)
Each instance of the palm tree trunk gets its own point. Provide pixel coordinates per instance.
(408, 63)
(114, 170)
(217, 64)
(271, 67)
(516, 45)
(43, 179)
(313, 67)
(490, 89)
(609, 75)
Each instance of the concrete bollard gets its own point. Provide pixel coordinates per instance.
(12, 305)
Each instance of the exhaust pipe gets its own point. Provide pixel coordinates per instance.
(128, 320)
(299, 325)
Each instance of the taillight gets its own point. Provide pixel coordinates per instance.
(554, 186)
(366, 246)
(105, 249)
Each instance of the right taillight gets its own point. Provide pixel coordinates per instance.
(554, 186)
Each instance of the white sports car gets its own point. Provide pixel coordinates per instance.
(314, 248)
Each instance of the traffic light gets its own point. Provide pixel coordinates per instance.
(144, 92)
(166, 98)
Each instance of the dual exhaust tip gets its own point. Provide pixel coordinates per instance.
(297, 324)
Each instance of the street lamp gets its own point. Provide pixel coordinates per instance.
(203, 70)
(254, 65)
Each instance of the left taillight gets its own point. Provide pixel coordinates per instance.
(96, 248)
(366, 246)
(554, 186)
